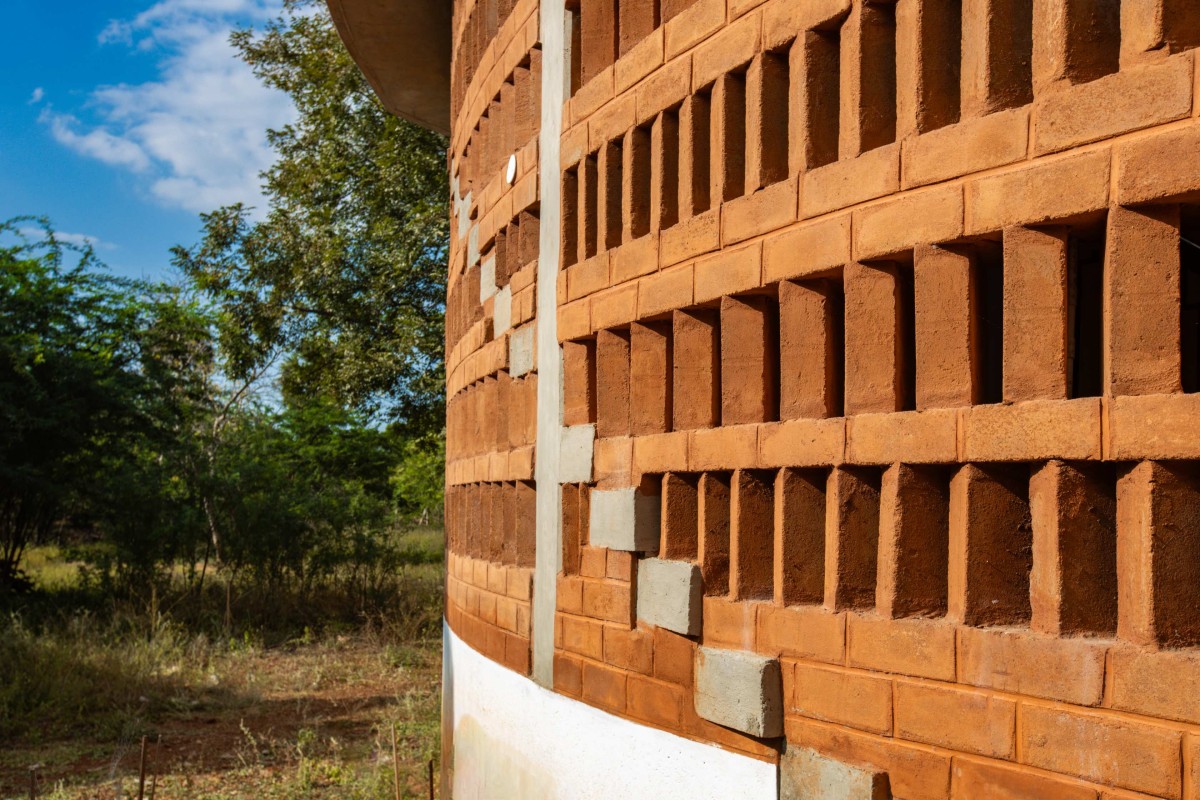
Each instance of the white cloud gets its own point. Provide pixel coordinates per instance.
(196, 135)
(76, 239)
(37, 96)
(96, 143)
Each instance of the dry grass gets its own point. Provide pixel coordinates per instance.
(310, 717)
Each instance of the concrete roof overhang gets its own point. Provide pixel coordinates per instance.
(403, 48)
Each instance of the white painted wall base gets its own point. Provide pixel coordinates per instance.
(514, 740)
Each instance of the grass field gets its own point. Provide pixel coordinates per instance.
(273, 711)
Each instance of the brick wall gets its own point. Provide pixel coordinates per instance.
(894, 309)
(491, 424)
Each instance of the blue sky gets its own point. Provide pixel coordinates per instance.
(122, 120)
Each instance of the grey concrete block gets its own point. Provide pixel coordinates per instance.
(521, 354)
(473, 246)
(575, 454)
(670, 595)
(464, 216)
(487, 277)
(740, 690)
(805, 774)
(502, 311)
(625, 519)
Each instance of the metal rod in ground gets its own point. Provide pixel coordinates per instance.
(431, 779)
(395, 763)
(142, 772)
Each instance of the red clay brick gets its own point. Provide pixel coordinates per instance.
(568, 675)
(612, 373)
(749, 360)
(750, 540)
(1143, 325)
(650, 378)
(799, 540)
(964, 721)
(1069, 669)
(713, 532)
(944, 296)
(991, 543)
(852, 534)
(810, 377)
(656, 702)
(807, 632)
(583, 637)
(604, 687)
(988, 780)
(919, 647)
(1107, 750)
(855, 699)
(629, 649)
(696, 370)
(873, 353)
(913, 532)
(674, 657)
(1158, 519)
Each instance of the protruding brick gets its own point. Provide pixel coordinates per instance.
(1035, 313)
(913, 540)
(997, 38)
(749, 361)
(868, 83)
(1158, 579)
(1073, 584)
(669, 595)
(944, 297)
(804, 773)
(612, 373)
(810, 349)
(696, 388)
(874, 355)
(751, 571)
(1142, 284)
(579, 382)
(990, 545)
(680, 517)
(650, 378)
(799, 552)
(714, 532)
(739, 690)
(851, 537)
(625, 519)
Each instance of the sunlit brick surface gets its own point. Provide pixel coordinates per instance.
(897, 306)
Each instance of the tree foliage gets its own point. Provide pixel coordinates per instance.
(90, 377)
(345, 272)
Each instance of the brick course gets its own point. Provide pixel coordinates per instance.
(897, 310)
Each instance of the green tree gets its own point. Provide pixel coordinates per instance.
(89, 380)
(344, 275)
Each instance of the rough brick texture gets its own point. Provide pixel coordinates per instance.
(891, 312)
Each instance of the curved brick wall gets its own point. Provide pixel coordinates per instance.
(882, 324)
